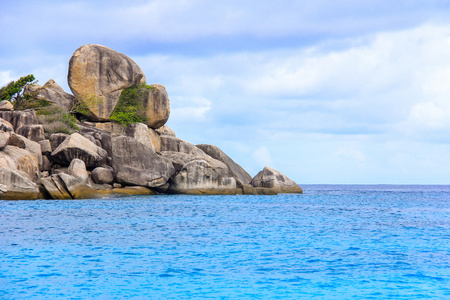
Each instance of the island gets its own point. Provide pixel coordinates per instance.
(109, 138)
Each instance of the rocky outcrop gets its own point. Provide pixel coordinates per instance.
(19, 118)
(52, 92)
(16, 185)
(235, 170)
(77, 146)
(136, 164)
(274, 182)
(156, 106)
(98, 75)
(199, 177)
(103, 157)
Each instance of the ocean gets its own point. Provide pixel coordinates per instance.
(332, 242)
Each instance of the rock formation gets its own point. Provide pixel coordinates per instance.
(111, 158)
(97, 76)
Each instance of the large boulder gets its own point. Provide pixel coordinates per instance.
(98, 75)
(274, 182)
(165, 130)
(19, 118)
(199, 177)
(171, 143)
(136, 164)
(77, 146)
(52, 92)
(16, 185)
(235, 170)
(156, 106)
(19, 159)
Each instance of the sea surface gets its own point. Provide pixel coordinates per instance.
(332, 242)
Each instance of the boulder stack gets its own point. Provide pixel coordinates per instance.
(104, 157)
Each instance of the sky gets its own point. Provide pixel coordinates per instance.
(326, 92)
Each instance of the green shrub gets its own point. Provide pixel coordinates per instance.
(130, 107)
(54, 120)
(14, 90)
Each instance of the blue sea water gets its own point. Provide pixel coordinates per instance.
(332, 242)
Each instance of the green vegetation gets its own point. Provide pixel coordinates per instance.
(14, 90)
(54, 120)
(130, 107)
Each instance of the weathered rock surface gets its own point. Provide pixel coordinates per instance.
(102, 175)
(52, 92)
(16, 185)
(199, 177)
(6, 126)
(157, 106)
(56, 139)
(4, 138)
(77, 169)
(19, 159)
(235, 170)
(179, 159)
(6, 105)
(171, 143)
(165, 130)
(32, 132)
(275, 181)
(19, 118)
(77, 146)
(24, 143)
(46, 147)
(141, 133)
(135, 164)
(97, 76)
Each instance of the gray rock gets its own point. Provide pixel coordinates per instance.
(235, 170)
(32, 132)
(141, 133)
(4, 138)
(97, 76)
(276, 181)
(77, 169)
(156, 106)
(16, 185)
(46, 164)
(102, 175)
(77, 146)
(6, 105)
(6, 126)
(52, 92)
(56, 139)
(199, 177)
(46, 147)
(165, 130)
(20, 118)
(136, 164)
(55, 188)
(24, 143)
(179, 159)
(171, 143)
(77, 188)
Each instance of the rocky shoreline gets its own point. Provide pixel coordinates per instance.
(106, 155)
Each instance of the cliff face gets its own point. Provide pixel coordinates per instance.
(103, 157)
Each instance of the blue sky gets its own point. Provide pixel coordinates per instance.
(324, 91)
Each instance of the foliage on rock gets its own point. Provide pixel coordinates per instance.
(54, 120)
(130, 107)
(14, 89)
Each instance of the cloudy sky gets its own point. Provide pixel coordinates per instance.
(325, 91)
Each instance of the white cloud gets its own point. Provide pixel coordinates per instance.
(262, 157)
